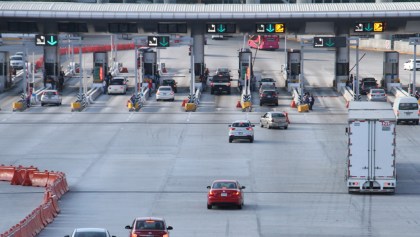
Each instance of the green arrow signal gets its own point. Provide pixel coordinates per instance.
(270, 28)
(329, 43)
(164, 43)
(368, 28)
(52, 41)
(221, 29)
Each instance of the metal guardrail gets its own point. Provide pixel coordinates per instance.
(347, 93)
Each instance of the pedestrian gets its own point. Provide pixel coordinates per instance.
(149, 86)
(61, 81)
(104, 86)
(311, 101)
(52, 81)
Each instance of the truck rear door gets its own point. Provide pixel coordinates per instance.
(359, 149)
(384, 147)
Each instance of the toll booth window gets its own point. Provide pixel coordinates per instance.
(295, 69)
(1, 69)
(342, 69)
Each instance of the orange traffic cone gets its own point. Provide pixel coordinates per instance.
(293, 104)
(238, 105)
(184, 102)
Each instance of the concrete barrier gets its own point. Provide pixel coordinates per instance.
(399, 92)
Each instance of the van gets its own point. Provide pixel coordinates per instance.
(406, 109)
(409, 65)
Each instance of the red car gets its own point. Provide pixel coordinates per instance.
(149, 226)
(225, 192)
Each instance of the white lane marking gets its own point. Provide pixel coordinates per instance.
(189, 116)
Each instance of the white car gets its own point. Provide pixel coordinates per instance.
(118, 85)
(17, 62)
(50, 97)
(376, 95)
(90, 232)
(165, 93)
(409, 65)
(241, 129)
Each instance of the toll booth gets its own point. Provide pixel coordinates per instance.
(149, 64)
(198, 71)
(245, 61)
(390, 70)
(5, 73)
(293, 66)
(100, 66)
(51, 64)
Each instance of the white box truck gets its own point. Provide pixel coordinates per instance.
(371, 148)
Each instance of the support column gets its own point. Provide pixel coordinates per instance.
(342, 63)
(197, 33)
(52, 64)
(303, 1)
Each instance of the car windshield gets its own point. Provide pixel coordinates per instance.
(117, 82)
(16, 58)
(150, 225)
(277, 115)
(219, 185)
(409, 106)
(240, 125)
(90, 234)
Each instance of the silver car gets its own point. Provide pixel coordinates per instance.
(50, 97)
(90, 232)
(274, 119)
(241, 129)
(376, 95)
(118, 85)
(165, 93)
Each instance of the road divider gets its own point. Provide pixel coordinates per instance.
(55, 184)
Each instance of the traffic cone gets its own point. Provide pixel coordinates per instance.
(238, 105)
(293, 104)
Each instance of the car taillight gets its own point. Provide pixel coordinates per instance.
(232, 129)
(236, 193)
(211, 84)
(249, 128)
(398, 112)
(165, 235)
(229, 84)
(211, 193)
(157, 93)
(172, 92)
(133, 235)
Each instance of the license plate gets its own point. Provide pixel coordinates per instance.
(408, 113)
(240, 133)
(268, 96)
(223, 194)
(220, 88)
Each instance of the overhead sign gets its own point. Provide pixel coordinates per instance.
(272, 28)
(330, 42)
(169, 28)
(46, 40)
(375, 26)
(221, 28)
(158, 41)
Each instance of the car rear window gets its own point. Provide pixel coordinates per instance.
(90, 234)
(408, 106)
(265, 86)
(267, 80)
(269, 92)
(378, 92)
(224, 185)
(50, 93)
(168, 82)
(117, 82)
(221, 79)
(164, 88)
(150, 225)
(240, 125)
(369, 83)
(278, 115)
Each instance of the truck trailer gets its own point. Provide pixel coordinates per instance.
(371, 132)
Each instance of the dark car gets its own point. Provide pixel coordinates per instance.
(366, 84)
(269, 97)
(220, 83)
(171, 83)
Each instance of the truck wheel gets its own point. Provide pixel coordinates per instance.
(230, 140)
(251, 140)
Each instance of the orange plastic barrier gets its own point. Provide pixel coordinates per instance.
(6, 172)
(55, 184)
(39, 179)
